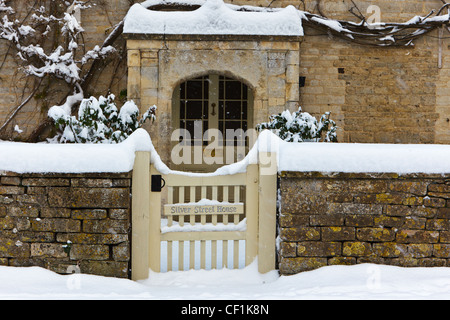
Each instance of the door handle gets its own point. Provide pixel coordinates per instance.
(213, 105)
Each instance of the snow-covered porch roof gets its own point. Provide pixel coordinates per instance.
(214, 17)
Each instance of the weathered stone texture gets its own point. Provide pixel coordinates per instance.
(375, 94)
(59, 222)
(362, 218)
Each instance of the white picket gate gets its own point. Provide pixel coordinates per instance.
(202, 221)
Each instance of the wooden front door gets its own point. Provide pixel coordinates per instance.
(213, 112)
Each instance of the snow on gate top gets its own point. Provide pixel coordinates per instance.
(214, 17)
(303, 157)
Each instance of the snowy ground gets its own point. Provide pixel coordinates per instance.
(365, 281)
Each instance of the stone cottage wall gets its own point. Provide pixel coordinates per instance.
(376, 95)
(363, 218)
(41, 213)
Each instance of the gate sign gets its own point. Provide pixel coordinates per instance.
(200, 208)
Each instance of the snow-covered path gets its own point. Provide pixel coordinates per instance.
(365, 281)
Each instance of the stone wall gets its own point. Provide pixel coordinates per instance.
(268, 65)
(60, 221)
(15, 86)
(363, 218)
(391, 95)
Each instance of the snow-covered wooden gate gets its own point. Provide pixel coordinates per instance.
(202, 221)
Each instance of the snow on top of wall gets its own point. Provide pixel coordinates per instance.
(361, 157)
(72, 158)
(347, 157)
(214, 17)
(302, 157)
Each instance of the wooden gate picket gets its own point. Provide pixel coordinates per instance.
(210, 208)
(195, 212)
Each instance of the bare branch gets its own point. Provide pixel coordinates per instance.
(18, 108)
(358, 14)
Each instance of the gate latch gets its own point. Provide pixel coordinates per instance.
(157, 183)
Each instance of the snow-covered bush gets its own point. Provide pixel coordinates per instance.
(99, 121)
(48, 44)
(301, 127)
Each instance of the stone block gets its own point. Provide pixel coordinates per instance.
(23, 211)
(56, 225)
(7, 223)
(89, 214)
(288, 249)
(357, 220)
(417, 211)
(443, 213)
(32, 236)
(327, 220)
(414, 223)
(300, 234)
(437, 224)
(389, 198)
(36, 190)
(441, 250)
(414, 187)
(11, 181)
(149, 77)
(53, 250)
(21, 223)
(121, 253)
(10, 248)
(6, 200)
(37, 199)
(92, 238)
(420, 250)
(121, 182)
(119, 214)
(46, 182)
(118, 269)
(434, 202)
(293, 220)
(375, 234)
(318, 249)
(134, 58)
(444, 237)
(89, 197)
(417, 236)
(88, 252)
(92, 183)
(300, 264)
(347, 261)
(389, 249)
(106, 226)
(439, 188)
(11, 190)
(301, 203)
(55, 212)
(356, 249)
(388, 221)
(355, 208)
(338, 233)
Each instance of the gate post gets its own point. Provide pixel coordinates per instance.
(268, 170)
(251, 203)
(140, 210)
(154, 228)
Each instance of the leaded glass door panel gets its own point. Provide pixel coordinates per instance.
(213, 112)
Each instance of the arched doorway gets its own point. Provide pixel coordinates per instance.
(209, 113)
